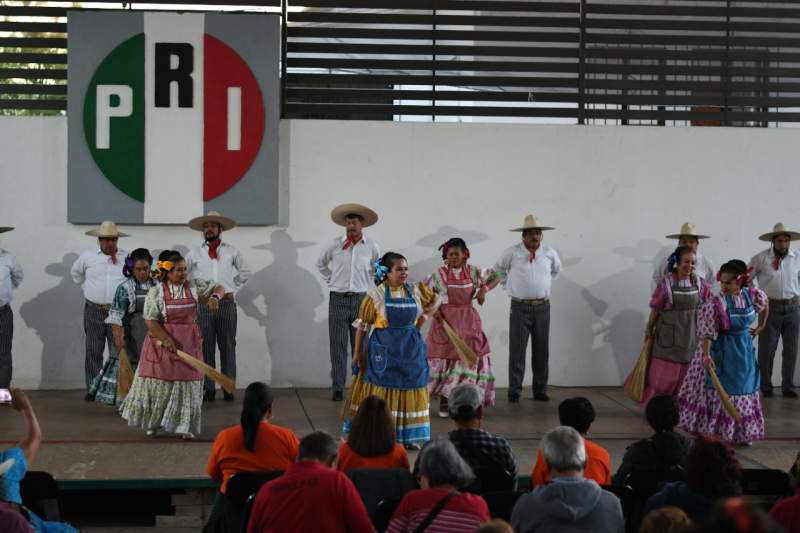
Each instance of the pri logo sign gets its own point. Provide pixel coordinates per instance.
(174, 119)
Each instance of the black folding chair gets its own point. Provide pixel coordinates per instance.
(383, 514)
(492, 480)
(41, 494)
(765, 486)
(377, 484)
(248, 508)
(501, 503)
(228, 512)
(627, 499)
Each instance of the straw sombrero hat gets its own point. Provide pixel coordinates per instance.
(687, 230)
(106, 229)
(4, 229)
(224, 222)
(531, 222)
(779, 229)
(340, 212)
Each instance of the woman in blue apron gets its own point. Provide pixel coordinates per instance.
(726, 321)
(395, 365)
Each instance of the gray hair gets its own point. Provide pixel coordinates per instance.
(440, 462)
(564, 450)
(319, 445)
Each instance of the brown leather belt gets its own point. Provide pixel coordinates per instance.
(535, 301)
(785, 301)
(104, 307)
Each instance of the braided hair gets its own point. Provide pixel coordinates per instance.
(384, 265)
(171, 256)
(675, 259)
(738, 269)
(136, 255)
(455, 242)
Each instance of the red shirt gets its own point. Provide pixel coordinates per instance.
(598, 465)
(309, 497)
(787, 513)
(465, 512)
(397, 458)
(275, 449)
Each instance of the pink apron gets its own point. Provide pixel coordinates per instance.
(181, 323)
(461, 315)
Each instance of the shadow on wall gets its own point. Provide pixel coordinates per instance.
(57, 317)
(622, 323)
(422, 269)
(298, 345)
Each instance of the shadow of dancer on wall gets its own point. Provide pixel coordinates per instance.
(289, 296)
(56, 315)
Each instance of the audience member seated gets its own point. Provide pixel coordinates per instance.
(787, 511)
(495, 526)
(438, 505)
(570, 503)
(737, 516)
(21, 456)
(649, 461)
(311, 495)
(12, 519)
(712, 473)
(578, 413)
(479, 448)
(666, 520)
(371, 441)
(254, 444)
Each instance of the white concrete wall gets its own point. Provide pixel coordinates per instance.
(611, 192)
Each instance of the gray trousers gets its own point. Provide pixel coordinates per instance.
(219, 329)
(98, 334)
(6, 334)
(532, 321)
(342, 312)
(783, 323)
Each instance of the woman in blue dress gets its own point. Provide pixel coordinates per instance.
(396, 366)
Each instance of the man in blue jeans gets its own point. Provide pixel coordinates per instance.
(527, 271)
(777, 272)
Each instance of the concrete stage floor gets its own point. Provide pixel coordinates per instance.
(88, 441)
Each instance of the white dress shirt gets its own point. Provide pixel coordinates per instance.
(781, 284)
(703, 267)
(349, 270)
(97, 274)
(10, 276)
(525, 279)
(229, 269)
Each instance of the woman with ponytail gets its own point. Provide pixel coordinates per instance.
(457, 282)
(166, 394)
(672, 325)
(726, 345)
(396, 367)
(127, 324)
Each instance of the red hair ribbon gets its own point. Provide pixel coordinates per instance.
(719, 275)
(744, 279)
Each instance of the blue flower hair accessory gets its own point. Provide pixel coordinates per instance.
(671, 262)
(380, 271)
(127, 268)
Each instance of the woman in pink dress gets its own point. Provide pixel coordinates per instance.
(726, 344)
(458, 282)
(673, 324)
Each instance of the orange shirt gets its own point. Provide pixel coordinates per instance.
(397, 458)
(276, 448)
(598, 465)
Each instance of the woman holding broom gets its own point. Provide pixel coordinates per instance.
(128, 326)
(726, 347)
(457, 283)
(671, 328)
(396, 368)
(167, 393)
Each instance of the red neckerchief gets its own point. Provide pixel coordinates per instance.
(352, 241)
(531, 255)
(114, 258)
(777, 262)
(212, 248)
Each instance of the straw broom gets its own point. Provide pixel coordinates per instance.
(348, 394)
(125, 375)
(227, 384)
(726, 400)
(634, 385)
(464, 352)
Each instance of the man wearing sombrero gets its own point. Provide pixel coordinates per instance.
(221, 262)
(688, 236)
(776, 271)
(99, 271)
(528, 270)
(346, 265)
(10, 278)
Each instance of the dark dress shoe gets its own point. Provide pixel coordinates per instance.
(541, 397)
(337, 396)
(209, 396)
(789, 393)
(88, 398)
(227, 396)
(513, 398)
(766, 393)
